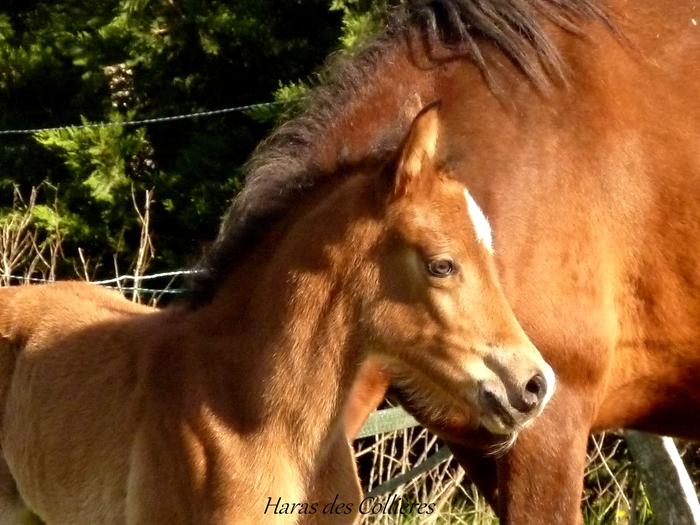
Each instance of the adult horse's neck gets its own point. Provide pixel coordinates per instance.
(391, 87)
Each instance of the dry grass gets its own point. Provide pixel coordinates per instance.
(613, 492)
(31, 242)
(395, 453)
(27, 251)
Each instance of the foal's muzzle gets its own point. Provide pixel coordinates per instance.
(508, 405)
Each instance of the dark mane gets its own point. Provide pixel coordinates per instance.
(282, 169)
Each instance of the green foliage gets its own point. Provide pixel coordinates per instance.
(62, 62)
(361, 19)
(183, 56)
(96, 207)
(97, 156)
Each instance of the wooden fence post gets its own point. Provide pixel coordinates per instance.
(670, 490)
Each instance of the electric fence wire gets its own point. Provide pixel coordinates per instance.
(140, 122)
(116, 282)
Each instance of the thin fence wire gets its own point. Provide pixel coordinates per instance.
(116, 282)
(140, 122)
(121, 278)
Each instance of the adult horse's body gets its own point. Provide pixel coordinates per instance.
(592, 187)
(230, 412)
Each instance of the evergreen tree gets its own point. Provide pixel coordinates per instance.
(69, 61)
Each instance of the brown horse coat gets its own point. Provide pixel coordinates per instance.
(592, 189)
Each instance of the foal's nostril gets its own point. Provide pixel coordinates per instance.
(535, 390)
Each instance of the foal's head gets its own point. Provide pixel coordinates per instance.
(394, 262)
(433, 308)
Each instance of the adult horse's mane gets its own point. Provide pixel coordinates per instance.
(282, 168)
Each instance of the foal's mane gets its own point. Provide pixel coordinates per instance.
(282, 167)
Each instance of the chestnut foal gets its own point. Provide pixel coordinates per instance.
(117, 413)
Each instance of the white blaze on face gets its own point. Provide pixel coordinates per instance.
(480, 222)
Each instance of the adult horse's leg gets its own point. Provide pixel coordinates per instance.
(337, 480)
(540, 480)
(367, 393)
(12, 508)
(480, 469)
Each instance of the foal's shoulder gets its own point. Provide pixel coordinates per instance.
(60, 308)
(99, 296)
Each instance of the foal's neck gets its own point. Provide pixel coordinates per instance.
(285, 329)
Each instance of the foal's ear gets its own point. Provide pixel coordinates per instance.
(417, 156)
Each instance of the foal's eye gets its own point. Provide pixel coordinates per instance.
(441, 267)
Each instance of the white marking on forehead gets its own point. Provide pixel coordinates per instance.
(481, 223)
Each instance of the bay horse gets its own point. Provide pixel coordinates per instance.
(228, 409)
(575, 125)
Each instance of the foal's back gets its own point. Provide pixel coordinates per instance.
(50, 338)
